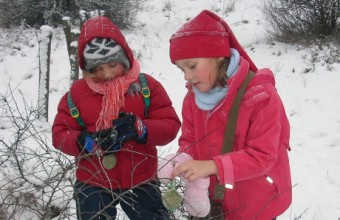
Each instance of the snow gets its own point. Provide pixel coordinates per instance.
(308, 86)
(44, 46)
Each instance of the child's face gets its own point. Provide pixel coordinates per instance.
(200, 72)
(108, 71)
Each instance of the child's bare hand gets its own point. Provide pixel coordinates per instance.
(194, 169)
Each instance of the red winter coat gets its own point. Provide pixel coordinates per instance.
(135, 162)
(258, 167)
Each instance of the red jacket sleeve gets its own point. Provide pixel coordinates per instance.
(162, 123)
(65, 130)
(262, 143)
(187, 140)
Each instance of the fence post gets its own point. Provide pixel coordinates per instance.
(44, 39)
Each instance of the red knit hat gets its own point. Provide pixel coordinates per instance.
(206, 35)
(101, 27)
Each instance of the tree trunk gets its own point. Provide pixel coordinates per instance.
(71, 41)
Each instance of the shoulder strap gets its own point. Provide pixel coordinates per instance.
(145, 92)
(74, 111)
(229, 134)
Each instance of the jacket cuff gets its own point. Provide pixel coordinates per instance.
(225, 169)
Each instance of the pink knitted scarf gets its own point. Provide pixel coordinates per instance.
(114, 95)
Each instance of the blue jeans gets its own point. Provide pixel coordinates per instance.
(142, 202)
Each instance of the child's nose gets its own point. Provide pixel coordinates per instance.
(106, 73)
(187, 76)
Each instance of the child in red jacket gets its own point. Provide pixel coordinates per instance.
(115, 135)
(252, 180)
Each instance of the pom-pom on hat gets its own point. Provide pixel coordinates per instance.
(103, 50)
(205, 36)
(101, 27)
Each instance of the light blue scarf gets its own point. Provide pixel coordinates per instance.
(209, 100)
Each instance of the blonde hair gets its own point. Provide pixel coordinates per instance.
(222, 66)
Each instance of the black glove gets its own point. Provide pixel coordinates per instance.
(107, 139)
(86, 141)
(129, 127)
(126, 127)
